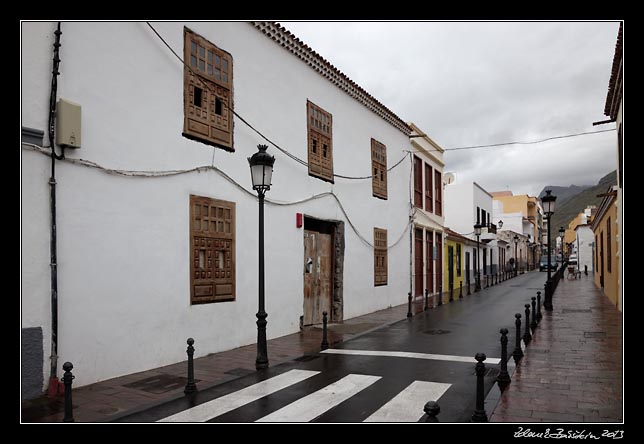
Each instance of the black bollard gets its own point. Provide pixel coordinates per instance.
(191, 387)
(539, 307)
(431, 409)
(586, 270)
(409, 305)
(325, 342)
(527, 337)
(67, 380)
(533, 324)
(517, 354)
(460, 291)
(479, 413)
(504, 377)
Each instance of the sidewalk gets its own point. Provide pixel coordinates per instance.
(572, 368)
(100, 401)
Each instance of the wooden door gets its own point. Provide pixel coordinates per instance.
(318, 269)
(450, 266)
(601, 259)
(429, 261)
(418, 262)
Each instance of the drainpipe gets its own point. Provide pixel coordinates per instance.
(53, 388)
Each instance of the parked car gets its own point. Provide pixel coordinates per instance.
(543, 263)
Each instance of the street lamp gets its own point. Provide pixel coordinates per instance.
(261, 171)
(516, 260)
(562, 232)
(477, 231)
(548, 205)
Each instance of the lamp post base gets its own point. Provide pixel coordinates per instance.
(262, 350)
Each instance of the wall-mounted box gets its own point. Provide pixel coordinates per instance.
(68, 124)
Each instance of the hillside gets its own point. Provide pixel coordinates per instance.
(572, 204)
(564, 193)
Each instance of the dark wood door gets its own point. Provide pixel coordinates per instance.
(450, 266)
(601, 259)
(318, 269)
(429, 261)
(418, 262)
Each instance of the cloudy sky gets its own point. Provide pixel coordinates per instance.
(472, 83)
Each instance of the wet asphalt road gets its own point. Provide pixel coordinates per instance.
(463, 328)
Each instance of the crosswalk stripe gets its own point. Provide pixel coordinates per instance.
(211, 409)
(399, 354)
(407, 406)
(311, 406)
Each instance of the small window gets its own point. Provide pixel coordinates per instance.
(379, 256)
(438, 193)
(379, 166)
(208, 95)
(429, 200)
(319, 125)
(212, 250)
(418, 182)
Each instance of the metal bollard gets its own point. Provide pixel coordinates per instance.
(479, 413)
(527, 337)
(409, 305)
(431, 409)
(426, 300)
(460, 291)
(504, 377)
(586, 270)
(533, 324)
(539, 307)
(191, 387)
(517, 354)
(67, 380)
(325, 342)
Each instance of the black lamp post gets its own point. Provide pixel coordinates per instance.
(516, 259)
(477, 231)
(548, 204)
(261, 171)
(562, 233)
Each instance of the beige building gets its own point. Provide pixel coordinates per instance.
(606, 260)
(613, 109)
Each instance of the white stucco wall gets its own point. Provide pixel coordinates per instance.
(583, 244)
(123, 243)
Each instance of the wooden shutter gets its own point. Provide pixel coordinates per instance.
(418, 182)
(212, 250)
(379, 256)
(428, 188)
(429, 261)
(320, 142)
(208, 88)
(379, 169)
(458, 260)
(438, 189)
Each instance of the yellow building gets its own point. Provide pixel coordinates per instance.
(456, 267)
(605, 254)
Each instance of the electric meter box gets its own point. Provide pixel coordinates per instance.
(68, 124)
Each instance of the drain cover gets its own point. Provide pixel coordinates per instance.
(240, 371)
(159, 383)
(306, 358)
(576, 310)
(594, 334)
(436, 332)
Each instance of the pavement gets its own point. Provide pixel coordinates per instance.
(572, 370)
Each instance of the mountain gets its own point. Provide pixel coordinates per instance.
(571, 204)
(564, 193)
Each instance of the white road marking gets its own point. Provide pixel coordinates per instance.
(399, 354)
(311, 406)
(211, 409)
(407, 406)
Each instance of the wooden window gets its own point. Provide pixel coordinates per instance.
(320, 142)
(379, 256)
(478, 215)
(379, 169)
(418, 182)
(207, 92)
(483, 217)
(438, 193)
(608, 249)
(429, 200)
(458, 260)
(212, 250)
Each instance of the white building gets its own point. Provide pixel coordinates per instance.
(467, 203)
(584, 240)
(427, 250)
(145, 262)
